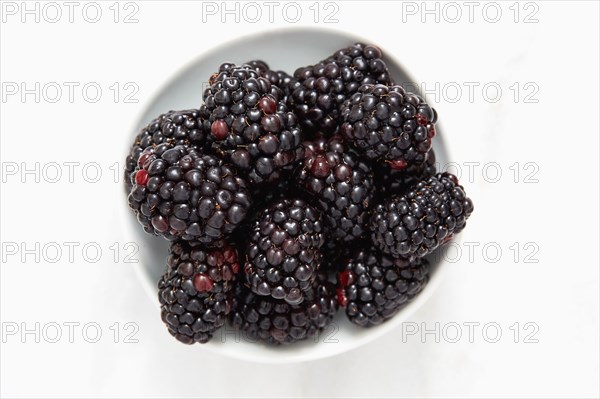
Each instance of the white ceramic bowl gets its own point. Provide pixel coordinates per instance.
(283, 50)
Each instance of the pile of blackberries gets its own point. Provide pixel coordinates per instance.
(286, 197)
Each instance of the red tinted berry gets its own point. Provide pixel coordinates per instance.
(346, 278)
(320, 167)
(141, 177)
(219, 129)
(421, 119)
(399, 164)
(341, 297)
(268, 105)
(230, 255)
(431, 131)
(235, 267)
(143, 158)
(203, 283)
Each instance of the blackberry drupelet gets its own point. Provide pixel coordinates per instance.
(419, 221)
(318, 91)
(181, 193)
(342, 185)
(280, 79)
(373, 287)
(389, 124)
(177, 127)
(195, 292)
(249, 123)
(283, 250)
(389, 181)
(277, 322)
(264, 71)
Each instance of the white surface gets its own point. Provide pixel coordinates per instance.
(559, 294)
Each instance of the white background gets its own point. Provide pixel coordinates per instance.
(558, 134)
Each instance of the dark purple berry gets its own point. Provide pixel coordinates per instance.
(374, 287)
(389, 124)
(219, 129)
(250, 123)
(318, 91)
(191, 196)
(195, 292)
(283, 250)
(341, 184)
(277, 322)
(176, 127)
(416, 223)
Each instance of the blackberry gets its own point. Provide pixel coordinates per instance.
(389, 124)
(342, 185)
(389, 181)
(277, 322)
(195, 292)
(180, 193)
(319, 90)
(249, 124)
(283, 251)
(428, 215)
(177, 127)
(373, 287)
